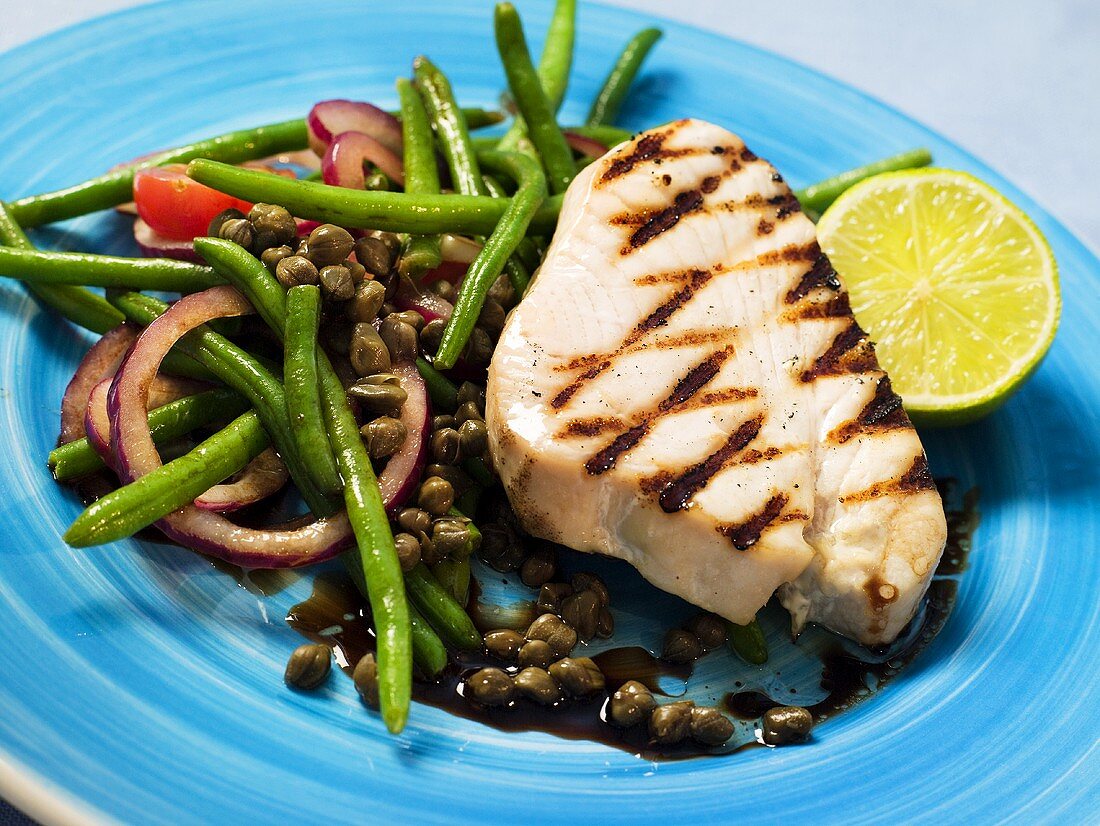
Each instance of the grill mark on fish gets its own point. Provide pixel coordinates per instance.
(881, 414)
(685, 203)
(658, 318)
(594, 426)
(765, 227)
(606, 458)
(747, 533)
(688, 338)
(753, 456)
(678, 492)
(821, 274)
(834, 362)
(648, 148)
(789, 254)
(916, 479)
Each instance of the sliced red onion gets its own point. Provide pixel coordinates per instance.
(329, 118)
(100, 362)
(343, 162)
(136, 454)
(401, 475)
(428, 304)
(589, 147)
(458, 248)
(263, 476)
(154, 245)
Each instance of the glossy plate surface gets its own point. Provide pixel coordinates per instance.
(139, 683)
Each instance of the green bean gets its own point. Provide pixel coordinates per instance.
(516, 267)
(534, 105)
(127, 510)
(817, 197)
(485, 268)
(441, 389)
(554, 66)
(170, 421)
(467, 502)
(303, 395)
(605, 108)
(450, 127)
(244, 373)
(428, 652)
(477, 118)
(83, 308)
(388, 211)
(161, 274)
(479, 472)
(442, 610)
(748, 642)
(362, 499)
(117, 187)
(607, 135)
(421, 175)
(454, 575)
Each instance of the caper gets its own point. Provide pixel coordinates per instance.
(459, 479)
(444, 289)
(357, 271)
(539, 567)
(274, 219)
(273, 255)
(587, 581)
(475, 437)
(408, 550)
(392, 241)
(551, 594)
(442, 421)
(381, 398)
(336, 282)
(786, 724)
(329, 244)
(367, 351)
(295, 270)
(449, 536)
(237, 230)
(374, 255)
(491, 319)
(502, 292)
(582, 611)
(308, 666)
(436, 496)
(410, 317)
(470, 392)
(415, 520)
(365, 677)
(214, 228)
(578, 675)
(384, 436)
(263, 240)
(554, 632)
(479, 349)
(444, 446)
(500, 548)
(681, 647)
(537, 684)
(432, 334)
(535, 654)
(428, 551)
(504, 644)
(490, 687)
(367, 301)
(400, 338)
(605, 623)
(709, 726)
(710, 630)
(671, 723)
(631, 704)
(468, 411)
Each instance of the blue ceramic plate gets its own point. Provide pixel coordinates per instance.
(141, 684)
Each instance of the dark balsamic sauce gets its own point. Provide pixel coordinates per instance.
(336, 615)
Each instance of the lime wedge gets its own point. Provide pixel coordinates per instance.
(957, 287)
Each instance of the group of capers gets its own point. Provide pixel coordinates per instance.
(670, 723)
(310, 664)
(700, 634)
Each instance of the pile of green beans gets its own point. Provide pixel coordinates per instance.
(421, 176)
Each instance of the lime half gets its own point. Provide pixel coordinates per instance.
(957, 287)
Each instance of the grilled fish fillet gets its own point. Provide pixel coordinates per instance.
(684, 387)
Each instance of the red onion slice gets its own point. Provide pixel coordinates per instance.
(343, 162)
(589, 147)
(332, 117)
(100, 362)
(263, 476)
(154, 245)
(428, 304)
(136, 454)
(401, 475)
